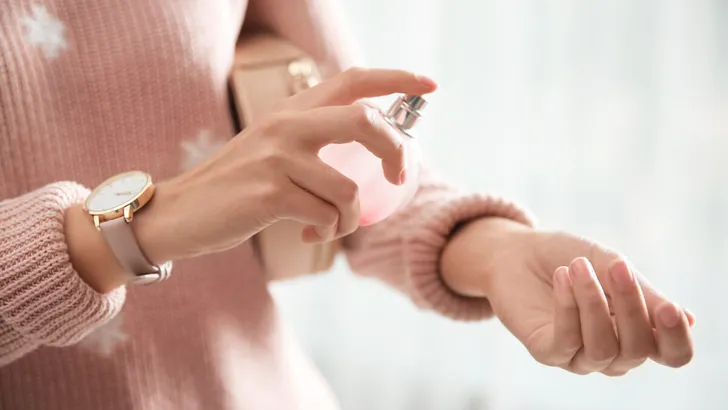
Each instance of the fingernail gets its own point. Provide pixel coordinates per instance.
(691, 317)
(310, 235)
(403, 176)
(622, 276)
(562, 277)
(317, 232)
(582, 271)
(670, 315)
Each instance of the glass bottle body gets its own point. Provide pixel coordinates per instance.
(378, 198)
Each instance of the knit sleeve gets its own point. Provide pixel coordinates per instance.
(43, 301)
(404, 250)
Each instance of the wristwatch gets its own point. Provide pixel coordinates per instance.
(112, 205)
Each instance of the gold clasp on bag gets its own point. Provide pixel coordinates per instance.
(302, 75)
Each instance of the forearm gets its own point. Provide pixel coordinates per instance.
(318, 27)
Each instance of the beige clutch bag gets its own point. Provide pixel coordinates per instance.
(266, 70)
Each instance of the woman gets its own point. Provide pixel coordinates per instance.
(92, 89)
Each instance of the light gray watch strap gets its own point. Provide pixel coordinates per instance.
(124, 245)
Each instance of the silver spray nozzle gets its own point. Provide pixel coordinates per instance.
(406, 111)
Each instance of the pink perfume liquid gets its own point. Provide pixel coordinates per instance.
(378, 197)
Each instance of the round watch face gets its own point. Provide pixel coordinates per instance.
(117, 192)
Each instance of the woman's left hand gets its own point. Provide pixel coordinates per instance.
(573, 303)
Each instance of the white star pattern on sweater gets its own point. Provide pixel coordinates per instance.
(105, 339)
(45, 30)
(197, 150)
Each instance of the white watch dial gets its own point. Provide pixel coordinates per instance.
(117, 192)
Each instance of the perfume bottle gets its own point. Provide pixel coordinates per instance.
(378, 197)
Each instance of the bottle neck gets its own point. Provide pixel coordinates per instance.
(405, 113)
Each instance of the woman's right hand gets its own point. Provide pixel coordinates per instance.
(271, 171)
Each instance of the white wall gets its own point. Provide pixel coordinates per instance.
(608, 118)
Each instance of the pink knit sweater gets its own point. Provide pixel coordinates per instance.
(92, 88)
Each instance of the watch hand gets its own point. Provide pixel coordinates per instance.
(123, 193)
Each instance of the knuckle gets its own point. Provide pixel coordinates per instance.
(351, 79)
(353, 74)
(622, 364)
(602, 354)
(274, 158)
(580, 370)
(537, 351)
(552, 352)
(348, 191)
(615, 372)
(270, 124)
(550, 356)
(638, 353)
(365, 117)
(273, 198)
(543, 357)
(348, 80)
(330, 216)
(571, 344)
(632, 363)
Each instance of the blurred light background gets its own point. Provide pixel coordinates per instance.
(606, 118)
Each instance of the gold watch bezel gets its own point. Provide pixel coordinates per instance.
(126, 209)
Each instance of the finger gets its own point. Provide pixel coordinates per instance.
(636, 338)
(302, 206)
(330, 185)
(597, 332)
(319, 127)
(357, 83)
(567, 326)
(674, 341)
(690, 316)
(655, 298)
(313, 234)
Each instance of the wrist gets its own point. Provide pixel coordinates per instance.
(156, 226)
(89, 253)
(470, 258)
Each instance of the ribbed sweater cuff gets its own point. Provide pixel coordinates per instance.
(41, 296)
(425, 244)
